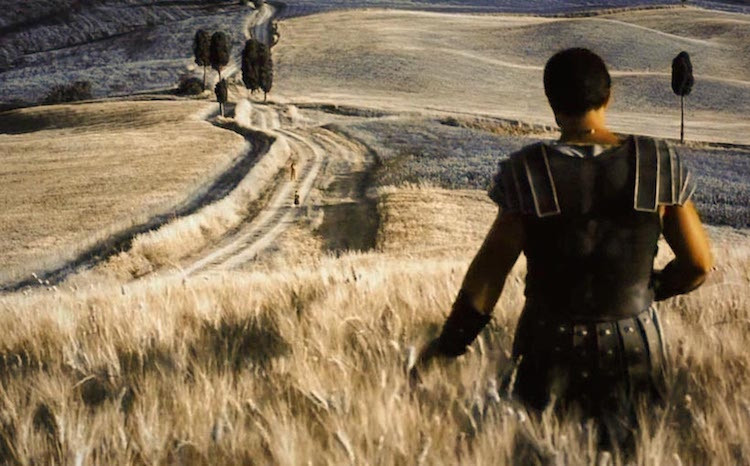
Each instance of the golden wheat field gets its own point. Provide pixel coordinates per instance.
(253, 331)
(307, 363)
(73, 174)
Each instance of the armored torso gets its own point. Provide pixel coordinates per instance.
(591, 222)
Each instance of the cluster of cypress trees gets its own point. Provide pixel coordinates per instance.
(213, 50)
(257, 67)
(257, 63)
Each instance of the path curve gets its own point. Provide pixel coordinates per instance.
(258, 23)
(260, 232)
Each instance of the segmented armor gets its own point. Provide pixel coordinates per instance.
(589, 333)
(591, 223)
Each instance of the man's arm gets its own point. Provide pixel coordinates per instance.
(482, 285)
(485, 278)
(693, 261)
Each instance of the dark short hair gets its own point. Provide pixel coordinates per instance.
(576, 81)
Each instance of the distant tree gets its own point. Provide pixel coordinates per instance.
(266, 70)
(61, 93)
(250, 65)
(202, 51)
(257, 67)
(219, 51)
(275, 34)
(682, 84)
(222, 94)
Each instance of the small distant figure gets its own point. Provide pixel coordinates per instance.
(296, 197)
(293, 171)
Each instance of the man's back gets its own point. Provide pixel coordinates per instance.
(591, 222)
(588, 223)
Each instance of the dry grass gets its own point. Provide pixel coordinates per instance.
(306, 363)
(73, 174)
(414, 221)
(190, 234)
(492, 65)
(301, 358)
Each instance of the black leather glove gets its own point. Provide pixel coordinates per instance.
(461, 328)
(672, 281)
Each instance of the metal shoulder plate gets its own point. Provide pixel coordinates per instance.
(661, 178)
(524, 183)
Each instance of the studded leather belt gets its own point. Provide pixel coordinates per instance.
(632, 344)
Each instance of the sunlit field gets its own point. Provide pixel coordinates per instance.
(242, 328)
(73, 174)
(308, 363)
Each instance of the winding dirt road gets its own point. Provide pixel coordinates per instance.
(314, 150)
(258, 26)
(317, 151)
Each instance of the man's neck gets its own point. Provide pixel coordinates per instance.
(590, 136)
(590, 128)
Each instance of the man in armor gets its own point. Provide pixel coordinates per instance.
(587, 212)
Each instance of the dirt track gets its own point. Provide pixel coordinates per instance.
(317, 151)
(313, 148)
(259, 143)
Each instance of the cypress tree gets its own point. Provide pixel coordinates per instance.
(219, 51)
(266, 70)
(202, 51)
(682, 84)
(250, 65)
(221, 94)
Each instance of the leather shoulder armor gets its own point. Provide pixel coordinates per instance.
(526, 181)
(661, 178)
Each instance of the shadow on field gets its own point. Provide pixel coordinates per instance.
(20, 361)
(17, 121)
(351, 226)
(235, 343)
(230, 344)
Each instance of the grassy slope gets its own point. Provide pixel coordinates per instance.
(307, 363)
(543, 7)
(125, 46)
(83, 171)
(465, 152)
(493, 65)
(120, 46)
